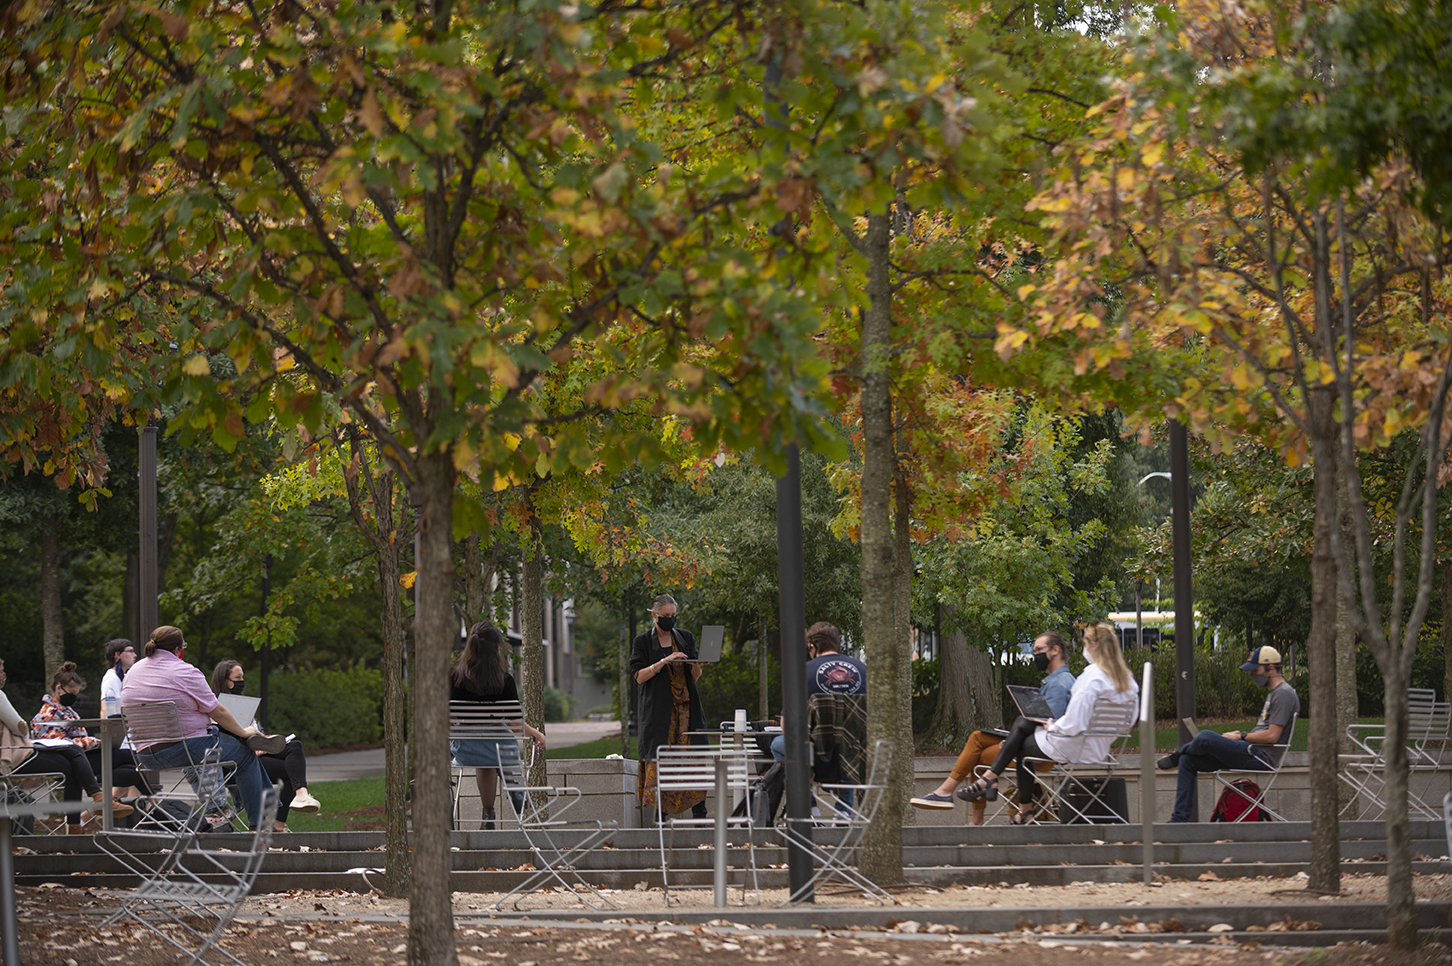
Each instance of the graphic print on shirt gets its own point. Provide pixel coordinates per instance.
(839, 677)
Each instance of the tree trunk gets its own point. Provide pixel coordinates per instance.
(131, 601)
(967, 697)
(473, 584)
(1325, 872)
(902, 632)
(1401, 922)
(1346, 702)
(531, 624)
(1447, 632)
(431, 913)
(763, 671)
(53, 630)
(881, 854)
(395, 720)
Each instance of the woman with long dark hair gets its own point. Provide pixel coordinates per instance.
(289, 767)
(481, 674)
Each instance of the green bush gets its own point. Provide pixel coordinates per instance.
(556, 704)
(328, 708)
(1222, 689)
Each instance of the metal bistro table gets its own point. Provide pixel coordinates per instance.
(8, 925)
(112, 732)
(737, 745)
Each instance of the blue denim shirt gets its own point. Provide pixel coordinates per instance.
(1056, 688)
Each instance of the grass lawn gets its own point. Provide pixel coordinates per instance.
(600, 748)
(357, 799)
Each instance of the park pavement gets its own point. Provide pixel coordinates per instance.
(369, 762)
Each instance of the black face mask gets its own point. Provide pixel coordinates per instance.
(666, 623)
(67, 700)
(1041, 661)
(238, 686)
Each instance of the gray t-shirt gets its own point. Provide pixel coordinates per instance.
(1281, 705)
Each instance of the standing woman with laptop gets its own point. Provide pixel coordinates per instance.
(661, 663)
(288, 766)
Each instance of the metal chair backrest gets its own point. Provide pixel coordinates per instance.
(692, 768)
(1110, 720)
(152, 722)
(501, 722)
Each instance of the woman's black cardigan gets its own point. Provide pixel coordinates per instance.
(654, 696)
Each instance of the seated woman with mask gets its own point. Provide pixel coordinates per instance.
(57, 709)
(288, 766)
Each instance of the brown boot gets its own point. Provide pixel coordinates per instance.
(118, 809)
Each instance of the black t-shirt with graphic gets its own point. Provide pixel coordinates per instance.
(836, 674)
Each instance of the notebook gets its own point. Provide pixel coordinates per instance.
(243, 708)
(1030, 703)
(708, 651)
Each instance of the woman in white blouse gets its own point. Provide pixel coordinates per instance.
(1107, 678)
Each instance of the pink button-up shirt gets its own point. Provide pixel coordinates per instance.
(166, 677)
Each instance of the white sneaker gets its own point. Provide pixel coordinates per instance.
(304, 802)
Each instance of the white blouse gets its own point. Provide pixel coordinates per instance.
(1064, 739)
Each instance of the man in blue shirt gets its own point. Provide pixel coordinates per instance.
(1050, 656)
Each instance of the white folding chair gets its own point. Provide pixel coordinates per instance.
(836, 860)
(192, 881)
(1428, 721)
(1111, 720)
(1266, 777)
(692, 768)
(202, 785)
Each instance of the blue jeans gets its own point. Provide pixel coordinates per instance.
(1210, 751)
(210, 784)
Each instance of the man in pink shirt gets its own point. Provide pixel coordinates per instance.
(163, 675)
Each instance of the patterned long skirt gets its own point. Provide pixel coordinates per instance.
(680, 723)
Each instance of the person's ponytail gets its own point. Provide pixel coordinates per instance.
(166, 638)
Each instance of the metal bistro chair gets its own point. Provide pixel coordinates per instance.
(1268, 776)
(835, 860)
(202, 785)
(193, 882)
(1428, 721)
(544, 818)
(692, 768)
(501, 722)
(1107, 720)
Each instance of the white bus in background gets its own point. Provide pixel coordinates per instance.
(1156, 624)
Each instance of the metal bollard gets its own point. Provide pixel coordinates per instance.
(1147, 770)
(722, 804)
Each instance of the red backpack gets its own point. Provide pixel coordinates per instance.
(1236, 801)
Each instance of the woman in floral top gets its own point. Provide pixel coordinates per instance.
(58, 708)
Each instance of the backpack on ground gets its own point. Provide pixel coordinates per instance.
(1238, 800)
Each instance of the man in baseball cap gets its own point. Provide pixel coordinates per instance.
(1255, 750)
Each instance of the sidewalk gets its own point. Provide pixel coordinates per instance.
(367, 763)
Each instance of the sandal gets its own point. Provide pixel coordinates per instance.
(1021, 818)
(984, 788)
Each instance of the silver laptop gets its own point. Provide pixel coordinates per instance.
(708, 651)
(1031, 703)
(243, 708)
